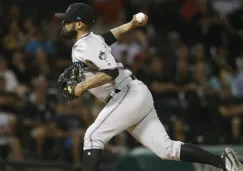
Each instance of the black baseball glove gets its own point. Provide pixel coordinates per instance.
(68, 80)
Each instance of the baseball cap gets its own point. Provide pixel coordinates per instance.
(78, 12)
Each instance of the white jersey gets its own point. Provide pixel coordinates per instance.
(92, 54)
(140, 119)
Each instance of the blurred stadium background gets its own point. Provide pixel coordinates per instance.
(190, 55)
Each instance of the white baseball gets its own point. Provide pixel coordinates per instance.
(140, 17)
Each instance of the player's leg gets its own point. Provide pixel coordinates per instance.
(118, 115)
(151, 133)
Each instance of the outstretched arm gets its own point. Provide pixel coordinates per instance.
(114, 34)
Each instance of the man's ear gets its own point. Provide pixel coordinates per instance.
(79, 25)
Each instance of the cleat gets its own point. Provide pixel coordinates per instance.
(232, 162)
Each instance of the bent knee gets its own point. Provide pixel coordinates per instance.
(171, 150)
(93, 140)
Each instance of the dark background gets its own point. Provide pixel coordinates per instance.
(189, 54)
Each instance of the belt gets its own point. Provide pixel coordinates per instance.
(116, 91)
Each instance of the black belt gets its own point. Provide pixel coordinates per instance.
(117, 90)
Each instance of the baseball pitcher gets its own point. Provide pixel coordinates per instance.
(129, 103)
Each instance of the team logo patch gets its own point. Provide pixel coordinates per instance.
(102, 56)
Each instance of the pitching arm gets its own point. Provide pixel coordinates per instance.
(114, 34)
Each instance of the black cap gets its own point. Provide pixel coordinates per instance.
(78, 12)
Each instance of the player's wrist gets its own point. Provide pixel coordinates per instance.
(78, 89)
(131, 25)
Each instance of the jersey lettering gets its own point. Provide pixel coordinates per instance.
(80, 64)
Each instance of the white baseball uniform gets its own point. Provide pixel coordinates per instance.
(131, 108)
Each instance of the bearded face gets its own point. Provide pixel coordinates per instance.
(69, 31)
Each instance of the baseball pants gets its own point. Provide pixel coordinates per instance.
(132, 109)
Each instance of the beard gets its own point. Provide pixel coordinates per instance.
(71, 34)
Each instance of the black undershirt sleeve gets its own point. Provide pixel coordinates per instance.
(109, 38)
(113, 73)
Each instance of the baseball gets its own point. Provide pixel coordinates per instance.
(140, 17)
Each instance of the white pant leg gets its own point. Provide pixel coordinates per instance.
(152, 134)
(126, 109)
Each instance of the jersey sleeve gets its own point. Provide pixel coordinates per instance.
(101, 60)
